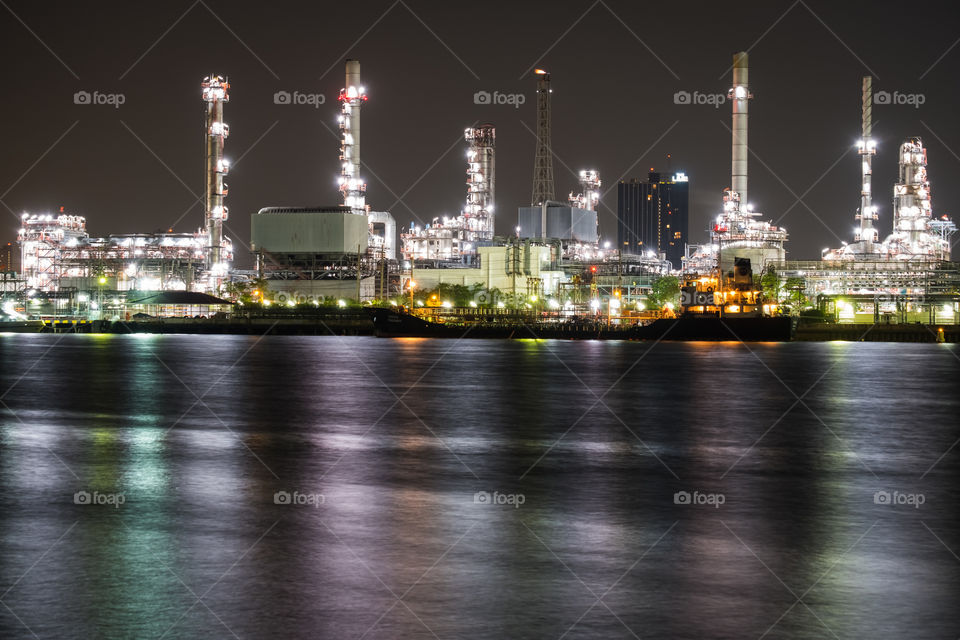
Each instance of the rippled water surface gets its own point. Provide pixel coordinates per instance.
(308, 487)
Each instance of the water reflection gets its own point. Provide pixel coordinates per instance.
(416, 524)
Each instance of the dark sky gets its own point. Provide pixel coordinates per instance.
(613, 104)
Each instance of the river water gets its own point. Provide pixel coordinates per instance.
(324, 487)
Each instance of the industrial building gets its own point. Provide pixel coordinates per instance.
(349, 250)
(917, 234)
(738, 231)
(572, 225)
(307, 253)
(345, 250)
(63, 264)
(908, 276)
(458, 238)
(653, 216)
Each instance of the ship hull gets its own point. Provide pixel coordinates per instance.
(395, 324)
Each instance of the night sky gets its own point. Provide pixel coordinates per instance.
(615, 65)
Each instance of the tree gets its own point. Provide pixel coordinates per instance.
(772, 285)
(795, 295)
(664, 290)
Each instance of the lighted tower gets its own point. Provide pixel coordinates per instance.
(543, 162)
(911, 199)
(480, 179)
(352, 97)
(739, 97)
(215, 94)
(589, 196)
(867, 148)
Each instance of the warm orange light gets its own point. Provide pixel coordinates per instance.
(539, 72)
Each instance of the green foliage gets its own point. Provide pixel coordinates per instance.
(794, 292)
(462, 295)
(772, 285)
(664, 290)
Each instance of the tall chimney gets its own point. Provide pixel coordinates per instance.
(352, 97)
(739, 97)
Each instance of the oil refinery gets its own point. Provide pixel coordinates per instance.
(554, 257)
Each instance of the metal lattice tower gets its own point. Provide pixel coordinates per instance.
(543, 163)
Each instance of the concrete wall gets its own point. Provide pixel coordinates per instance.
(564, 223)
(308, 232)
(309, 290)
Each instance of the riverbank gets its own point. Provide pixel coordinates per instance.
(357, 322)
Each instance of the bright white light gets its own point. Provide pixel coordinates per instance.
(341, 303)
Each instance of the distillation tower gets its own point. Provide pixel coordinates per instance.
(915, 233)
(865, 245)
(543, 161)
(351, 98)
(456, 238)
(589, 196)
(215, 92)
(478, 211)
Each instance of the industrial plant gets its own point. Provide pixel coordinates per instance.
(553, 257)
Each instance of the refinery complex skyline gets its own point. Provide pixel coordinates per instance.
(129, 165)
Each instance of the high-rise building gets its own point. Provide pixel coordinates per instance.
(653, 216)
(8, 253)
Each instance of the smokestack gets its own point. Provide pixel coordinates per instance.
(739, 97)
(867, 148)
(215, 92)
(352, 97)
